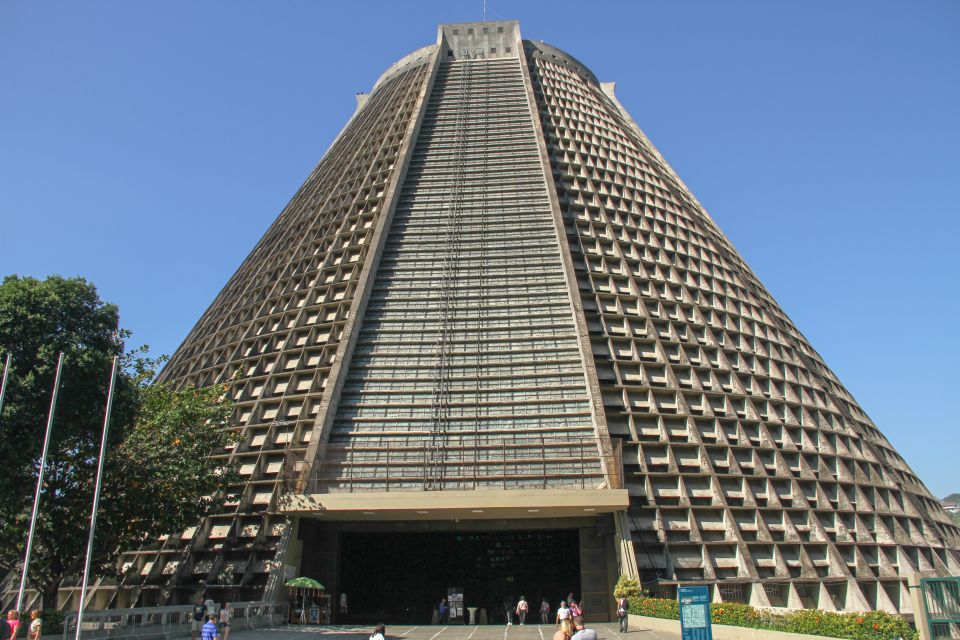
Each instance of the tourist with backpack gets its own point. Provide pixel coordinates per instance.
(522, 608)
(623, 607)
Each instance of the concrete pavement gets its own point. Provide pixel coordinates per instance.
(605, 631)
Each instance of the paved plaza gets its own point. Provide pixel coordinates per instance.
(605, 631)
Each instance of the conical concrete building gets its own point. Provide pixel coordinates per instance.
(495, 347)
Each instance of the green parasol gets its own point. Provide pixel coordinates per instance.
(304, 582)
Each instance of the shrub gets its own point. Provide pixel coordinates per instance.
(52, 622)
(627, 588)
(875, 625)
(655, 607)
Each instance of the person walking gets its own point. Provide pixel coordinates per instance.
(623, 608)
(225, 613)
(36, 625)
(522, 608)
(380, 633)
(582, 632)
(564, 619)
(544, 611)
(198, 615)
(209, 629)
(13, 623)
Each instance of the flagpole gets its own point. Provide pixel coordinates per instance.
(3, 385)
(36, 496)
(96, 497)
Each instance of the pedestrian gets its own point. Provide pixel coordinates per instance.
(13, 623)
(561, 634)
(225, 613)
(623, 607)
(544, 611)
(508, 611)
(36, 625)
(380, 633)
(582, 632)
(575, 609)
(564, 620)
(522, 608)
(444, 610)
(209, 630)
(198, 615)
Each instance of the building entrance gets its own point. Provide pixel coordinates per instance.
(401, 577)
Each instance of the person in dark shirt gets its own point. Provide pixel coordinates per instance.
(198, 614)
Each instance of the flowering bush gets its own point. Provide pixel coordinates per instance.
(874, 625)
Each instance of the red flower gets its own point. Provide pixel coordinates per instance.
(860, 620)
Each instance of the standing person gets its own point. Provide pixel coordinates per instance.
(444, 610)
(563, 618)
(36, 625)
(224, 620)
(199, 614)
(379, 633)
(544, 611)
(522, 608)
(209, 630)
(13, 623)
(582, 632)
(575, 609)
(623, 607)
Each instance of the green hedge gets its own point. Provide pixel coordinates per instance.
(875, 625)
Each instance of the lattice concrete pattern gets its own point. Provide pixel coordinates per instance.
(493, 280)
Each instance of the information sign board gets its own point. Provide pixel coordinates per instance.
(695, 613)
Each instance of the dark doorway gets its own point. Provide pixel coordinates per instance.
(400, 577)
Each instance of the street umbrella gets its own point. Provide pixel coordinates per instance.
(305, 584)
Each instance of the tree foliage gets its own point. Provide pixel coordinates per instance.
(158, 476)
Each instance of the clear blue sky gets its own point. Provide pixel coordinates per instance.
(147, 145)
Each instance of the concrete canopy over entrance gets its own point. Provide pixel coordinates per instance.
(441, 505)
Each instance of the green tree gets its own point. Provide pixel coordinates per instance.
(158, 477)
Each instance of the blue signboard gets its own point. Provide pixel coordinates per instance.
(695, 613)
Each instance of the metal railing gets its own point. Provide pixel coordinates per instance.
(169, 621)
(941, 599)
(466, 462)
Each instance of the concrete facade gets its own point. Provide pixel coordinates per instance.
(494, 300)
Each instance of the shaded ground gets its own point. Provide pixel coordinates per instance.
(605, 631)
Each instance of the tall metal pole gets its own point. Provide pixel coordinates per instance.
(36, 496)
(96, 497)
(3, 385)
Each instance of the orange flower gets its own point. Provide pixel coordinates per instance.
(859, 620)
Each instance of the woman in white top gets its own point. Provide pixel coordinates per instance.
(380, 633)
(224, 621)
